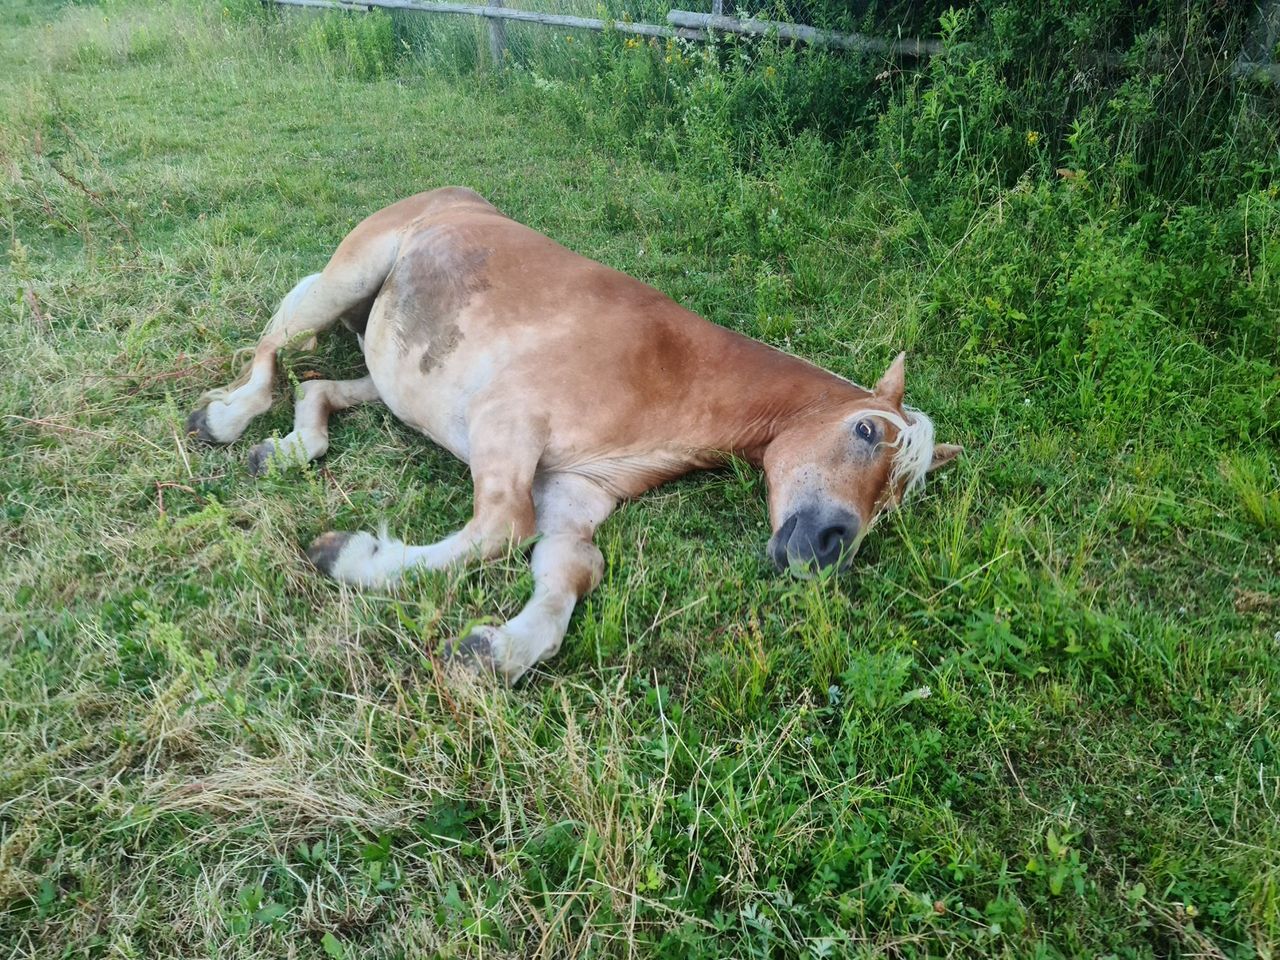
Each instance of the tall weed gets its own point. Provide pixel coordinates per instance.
(359, 45)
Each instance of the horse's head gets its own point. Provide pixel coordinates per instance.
(837, 468)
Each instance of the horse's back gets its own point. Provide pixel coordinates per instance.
(475, 302)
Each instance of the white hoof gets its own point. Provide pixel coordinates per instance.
(358, 559)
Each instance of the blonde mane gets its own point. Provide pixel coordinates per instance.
(914, 449)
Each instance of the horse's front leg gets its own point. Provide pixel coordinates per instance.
(503, 462)
(566, 567)
(317, 399)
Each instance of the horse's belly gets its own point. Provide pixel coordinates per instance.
(430, 404)
(428, 395)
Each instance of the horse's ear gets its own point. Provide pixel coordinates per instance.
(893, 384)
(943, 454)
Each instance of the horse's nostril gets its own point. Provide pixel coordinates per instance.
(812, 535)
(832, 540)
(778, 544)
(785, 531)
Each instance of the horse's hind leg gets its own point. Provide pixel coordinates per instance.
(348, 285)
(310, 437)
(305, 311)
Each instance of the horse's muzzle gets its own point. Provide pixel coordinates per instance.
(821, 536)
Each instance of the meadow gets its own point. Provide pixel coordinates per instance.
(1038, 717)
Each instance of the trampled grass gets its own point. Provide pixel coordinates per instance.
(1036, 719)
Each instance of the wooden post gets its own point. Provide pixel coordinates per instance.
(717, 7)
(497, 37)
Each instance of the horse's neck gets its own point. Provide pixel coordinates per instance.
(763, 391)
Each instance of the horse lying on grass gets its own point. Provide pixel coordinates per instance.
(567, 387)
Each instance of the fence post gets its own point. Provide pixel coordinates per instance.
(497, 37)
(717, 7)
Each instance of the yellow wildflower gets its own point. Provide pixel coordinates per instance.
(1033, 137)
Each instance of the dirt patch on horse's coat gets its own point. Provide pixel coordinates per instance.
(431, 284)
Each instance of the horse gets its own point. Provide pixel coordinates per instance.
(567, 387)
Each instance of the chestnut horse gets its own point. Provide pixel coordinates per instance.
(567, 387)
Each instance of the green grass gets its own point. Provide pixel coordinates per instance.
(1036, 719)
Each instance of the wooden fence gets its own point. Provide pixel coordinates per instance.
(1256, 61)
(685, 24)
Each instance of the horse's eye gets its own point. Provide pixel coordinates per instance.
(865, 430)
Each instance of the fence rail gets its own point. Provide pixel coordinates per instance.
(1255, 61)
(685, 24)
(812, 35)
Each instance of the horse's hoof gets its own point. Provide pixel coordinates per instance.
(260, 459)
(326, 549)
(352, 558)
(198, 426)
(472, 653)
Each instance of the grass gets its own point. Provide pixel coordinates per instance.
(1037, 718)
